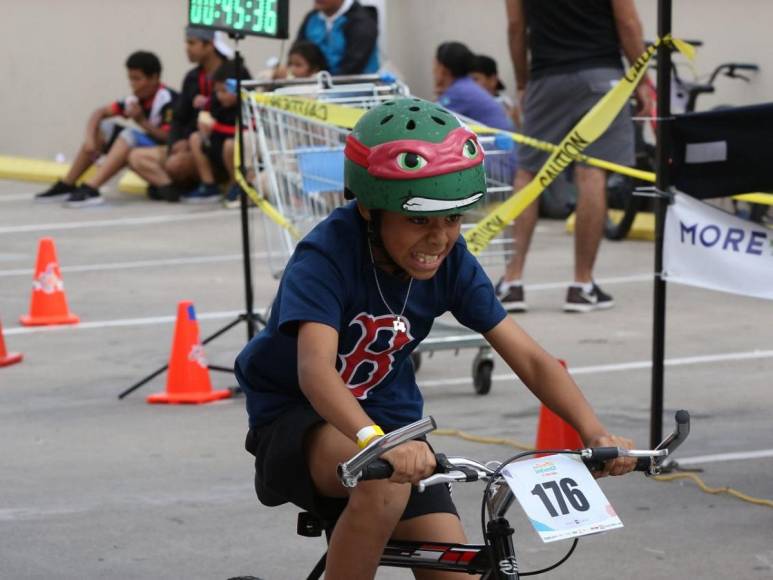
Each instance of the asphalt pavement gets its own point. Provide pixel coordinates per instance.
(96, 487)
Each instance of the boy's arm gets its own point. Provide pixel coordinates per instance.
(551, 384)
(321, 383)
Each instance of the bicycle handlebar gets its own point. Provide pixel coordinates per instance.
(465, 470)
(460, 469)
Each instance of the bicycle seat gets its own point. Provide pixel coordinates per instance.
(312, 524)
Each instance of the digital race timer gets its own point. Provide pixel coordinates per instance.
(259, 17)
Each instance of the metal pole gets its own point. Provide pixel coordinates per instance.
(248, 294)
(661, 204)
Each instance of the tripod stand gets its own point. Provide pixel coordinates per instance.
(249, 315)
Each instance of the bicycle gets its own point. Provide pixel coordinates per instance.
(684, 96)
(495, 559)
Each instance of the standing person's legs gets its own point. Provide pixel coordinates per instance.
(522, 229)
(616, 144)
(545, 117)
(590, 216)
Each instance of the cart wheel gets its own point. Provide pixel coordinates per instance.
(482, 370)
(416, 360)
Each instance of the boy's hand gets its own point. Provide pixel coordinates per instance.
(412, 461)
(619, 466)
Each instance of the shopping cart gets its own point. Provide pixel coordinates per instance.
(296, 163)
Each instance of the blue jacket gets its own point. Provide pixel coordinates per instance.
(350, 47)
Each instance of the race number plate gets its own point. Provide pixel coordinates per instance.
(560, 497)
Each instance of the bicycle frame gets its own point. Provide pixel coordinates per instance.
(468, 558)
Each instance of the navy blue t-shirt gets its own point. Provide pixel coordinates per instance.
(329, 279)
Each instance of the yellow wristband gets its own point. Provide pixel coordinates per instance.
(368, 434)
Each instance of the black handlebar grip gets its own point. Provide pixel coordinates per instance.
(643, 463)
(745, 66)
(377, 469)
(604, 454)
(682, 417)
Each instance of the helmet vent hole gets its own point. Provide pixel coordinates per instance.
(386, 119)
(438, 120)
(414, 109)
(410, 125)
(389, 103)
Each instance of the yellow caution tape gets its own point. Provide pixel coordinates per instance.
(762, 198)
(550, 148)
(338, 115)
(587, 130)
(263, 204)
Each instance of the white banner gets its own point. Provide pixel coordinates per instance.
(707, 247)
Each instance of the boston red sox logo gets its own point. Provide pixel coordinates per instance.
(362, 352)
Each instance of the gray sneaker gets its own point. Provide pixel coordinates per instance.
(511, 297)
(578, 300)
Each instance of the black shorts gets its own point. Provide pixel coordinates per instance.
(282, 474)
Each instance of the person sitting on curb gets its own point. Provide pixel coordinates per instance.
(150, 107)
(171, 167)
(213, 144)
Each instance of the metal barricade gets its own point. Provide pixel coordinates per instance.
(296, 162)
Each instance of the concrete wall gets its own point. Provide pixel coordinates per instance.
(63, 58)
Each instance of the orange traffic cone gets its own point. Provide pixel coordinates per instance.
(7, 358)
(188, 377)
(48, 304)
(553, 432)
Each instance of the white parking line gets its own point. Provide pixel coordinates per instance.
(604, 281)
(120, 322)
(761, 454)
(139, 264)
(16, 197)
(155, 219)
(628, 366)
(592, 369)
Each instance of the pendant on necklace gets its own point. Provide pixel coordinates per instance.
(398, 325)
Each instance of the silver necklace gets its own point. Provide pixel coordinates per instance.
(398, 324)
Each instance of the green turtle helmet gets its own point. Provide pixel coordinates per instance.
(414, 157)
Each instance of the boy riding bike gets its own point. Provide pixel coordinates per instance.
(331, 370)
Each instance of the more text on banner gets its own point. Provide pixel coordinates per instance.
(706, 247)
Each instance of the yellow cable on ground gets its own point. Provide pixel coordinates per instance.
(668, 477)
(485, 440)
(714, 490)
